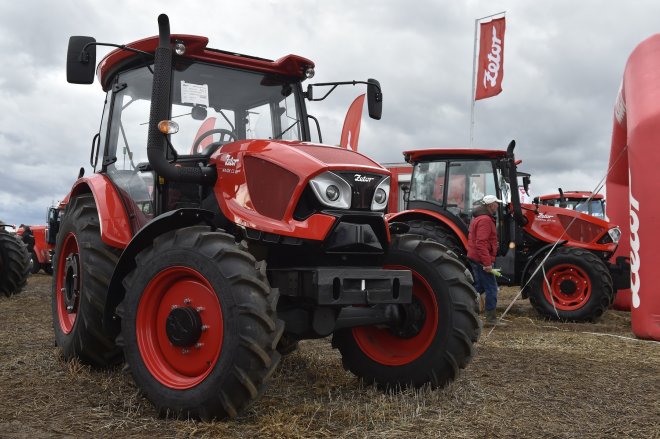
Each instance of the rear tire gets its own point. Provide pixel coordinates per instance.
(580, 286)
(14, 264)
(433, 231)
(441, 341)
(83, 268)
(35, 266)
(219, 363)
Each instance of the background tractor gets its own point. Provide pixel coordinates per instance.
(575, 283)
(213, 235)
(36, 241)
(14, 261)
(581, 201)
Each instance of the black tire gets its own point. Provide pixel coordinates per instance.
(580, 282)
(224, 377)
(35, 266)
(14, 264)
(432, 230)
(445, 342)
(83, 266)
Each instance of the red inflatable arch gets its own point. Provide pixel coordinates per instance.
(633, 185)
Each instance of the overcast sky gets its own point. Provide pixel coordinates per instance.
(562, 69)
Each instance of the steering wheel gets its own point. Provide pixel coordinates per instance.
(211, 147)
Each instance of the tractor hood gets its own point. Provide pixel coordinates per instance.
(279, 186)
(549, 224)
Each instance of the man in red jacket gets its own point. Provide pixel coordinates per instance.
(482, 250)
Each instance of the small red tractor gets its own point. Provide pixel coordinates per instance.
(14, 261)
(38, 246)
(580, 201)
(214, 235)
(575, 283)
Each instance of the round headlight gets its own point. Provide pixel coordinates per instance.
(380, 196)
(332, 192)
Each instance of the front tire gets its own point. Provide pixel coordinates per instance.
(578, 288)
(437, 342)
(83, 268)
(35, 266)
(14, 264)
(199, 325)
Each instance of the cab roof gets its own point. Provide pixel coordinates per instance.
(289, 65)
(439, 154)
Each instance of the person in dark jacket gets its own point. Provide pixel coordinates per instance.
(482, 250)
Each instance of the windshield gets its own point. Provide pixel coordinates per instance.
(212, 105)
(594, 207)
(453, 185)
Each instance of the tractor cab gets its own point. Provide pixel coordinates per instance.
(213, 98)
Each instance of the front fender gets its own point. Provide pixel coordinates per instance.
(175, 219)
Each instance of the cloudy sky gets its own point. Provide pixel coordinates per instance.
(563, 66)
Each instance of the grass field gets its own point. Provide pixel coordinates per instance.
(531, 379)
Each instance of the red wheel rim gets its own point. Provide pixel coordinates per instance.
(69, 281)
(383, 347)
(173, 366)
(570, 287)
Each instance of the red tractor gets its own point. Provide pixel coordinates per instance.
(575, 283)
(213, 235)
(36, 240)
(14, 261)
(581, 201)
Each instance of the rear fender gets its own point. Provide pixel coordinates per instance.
(115, 226)
(426, 215)
(175, 219)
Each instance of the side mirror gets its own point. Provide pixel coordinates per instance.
(526, 182)
(81, 61)
(374, 99)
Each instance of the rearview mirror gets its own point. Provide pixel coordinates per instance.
(374, 99)
(81, 61)
(526, 182)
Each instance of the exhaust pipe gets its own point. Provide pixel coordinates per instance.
(513, 181)
(160, 110)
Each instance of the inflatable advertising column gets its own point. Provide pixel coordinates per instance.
(633, 185)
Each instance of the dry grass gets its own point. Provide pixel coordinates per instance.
(533, 378)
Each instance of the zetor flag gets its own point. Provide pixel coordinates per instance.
(490, 70)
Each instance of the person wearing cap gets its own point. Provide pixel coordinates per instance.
(482, 250)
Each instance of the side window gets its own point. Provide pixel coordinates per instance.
(289, 120)
(259, 123)
(428, 183)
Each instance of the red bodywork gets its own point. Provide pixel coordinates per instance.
(41, 247)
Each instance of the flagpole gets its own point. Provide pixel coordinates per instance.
(474, 74)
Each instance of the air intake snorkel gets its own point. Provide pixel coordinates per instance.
(513, 181)
(160, 111)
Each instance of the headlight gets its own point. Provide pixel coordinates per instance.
(381, 195)
(615, 234)
(332, 190)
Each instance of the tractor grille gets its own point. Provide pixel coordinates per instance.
(580, 230)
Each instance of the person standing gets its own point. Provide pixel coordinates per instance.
(482, 250)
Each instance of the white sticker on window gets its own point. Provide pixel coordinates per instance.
(194, 93)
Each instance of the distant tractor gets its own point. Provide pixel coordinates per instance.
(576, 282)
(39, 248)
(14, 261)
(214, 235)
(580, 201)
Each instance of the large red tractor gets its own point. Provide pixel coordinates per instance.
(213, 235)
(14, 261)
(581, 201)
(575, 283)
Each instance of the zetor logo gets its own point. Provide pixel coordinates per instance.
(231, 161)
(635, 261)
(494, 58)
(363, 179)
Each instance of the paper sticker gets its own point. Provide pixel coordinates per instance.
(194, 93)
